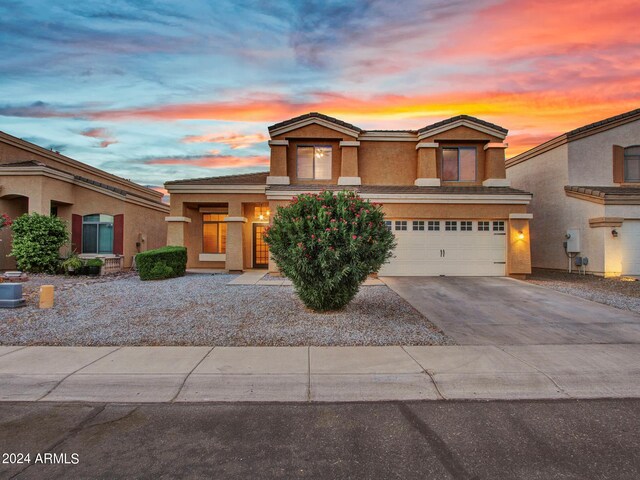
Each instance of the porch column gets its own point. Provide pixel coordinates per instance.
(349, 167)
(235, 221)
(176, 227)
(278, 174)
(495, 173)
(427, 171)
(519, 245)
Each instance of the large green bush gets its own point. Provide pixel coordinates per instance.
(165, 262)
(328, 244)
(37, 240)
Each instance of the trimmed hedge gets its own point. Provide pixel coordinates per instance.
(165, 262)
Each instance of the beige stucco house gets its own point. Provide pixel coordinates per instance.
(108, 216)
(443, 190)
(586, 186)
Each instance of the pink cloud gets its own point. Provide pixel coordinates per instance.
(233, 140)
(212, 161)
(105, 136)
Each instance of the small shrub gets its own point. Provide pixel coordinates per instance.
(165, 262)
(94, 262)
(72, 265)
(328, 244)
(37, 240)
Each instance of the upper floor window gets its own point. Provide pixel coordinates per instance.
(214, 233)
(459, 164)
(632, 164)
(97, 233)
(314, 162)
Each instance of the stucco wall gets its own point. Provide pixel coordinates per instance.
(591, 158)
(545, 176)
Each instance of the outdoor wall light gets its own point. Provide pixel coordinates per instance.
(520, 235)
(614, 233)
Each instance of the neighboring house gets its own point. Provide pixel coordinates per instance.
(108, 216)
(587, 181)
(443, 190)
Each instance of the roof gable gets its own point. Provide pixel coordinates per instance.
(311, 118)
(463, 121)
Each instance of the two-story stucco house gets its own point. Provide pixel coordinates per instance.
(108, 216)
(442, 187)
(586, 186)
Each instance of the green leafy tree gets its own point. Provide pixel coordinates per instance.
(37, 240)
(327, 244)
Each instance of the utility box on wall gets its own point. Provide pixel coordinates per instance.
(573, 241)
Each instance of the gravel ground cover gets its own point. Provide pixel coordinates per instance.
(610, 291)
(204, 310)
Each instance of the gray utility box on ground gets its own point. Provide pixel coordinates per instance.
(11, 295)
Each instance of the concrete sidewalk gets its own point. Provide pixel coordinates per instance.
(318, 374)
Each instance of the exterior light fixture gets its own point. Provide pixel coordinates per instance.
(520, 235)
(261, 217)
(614, 233)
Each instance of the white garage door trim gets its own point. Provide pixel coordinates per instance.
(447, 247)
(630, 247)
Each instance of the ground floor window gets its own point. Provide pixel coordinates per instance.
(97, 233)
(214, 233)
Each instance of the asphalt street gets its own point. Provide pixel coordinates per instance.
(568, 439)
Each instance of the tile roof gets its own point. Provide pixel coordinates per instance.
(256, 178)
(26, 163)
(400, 189)
(463, 117)
(604, 192)
(315, 115)
(606, 121)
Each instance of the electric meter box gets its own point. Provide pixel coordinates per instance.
(573, 241)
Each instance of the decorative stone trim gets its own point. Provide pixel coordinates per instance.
(349, 181)
(496, 182)
(520, 216)
(427, 182)
(605, 222)
(235, 219)
(212, 257)
(427, 145)
(177, 219)
(273, 180)
(278, 143)
(349, 144)
(496, 145)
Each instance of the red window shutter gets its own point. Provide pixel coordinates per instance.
(76, 233)
(118, 234)
(618, 164)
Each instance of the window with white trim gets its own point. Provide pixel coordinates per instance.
(388, 224)
(459, 164)
(433, 225)
(314, 162)
(97, 233)
(401, 225)
(632, 164)
(466, 226)
(450, 226)
(498, 226)
(418, 225)
(483, 226)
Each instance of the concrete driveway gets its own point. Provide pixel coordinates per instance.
(504, 311)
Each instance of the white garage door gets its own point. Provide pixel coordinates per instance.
(447, 247)
(630, 243)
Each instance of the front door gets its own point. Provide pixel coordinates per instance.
(260, 249)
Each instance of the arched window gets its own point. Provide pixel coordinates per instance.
(97, 233)
(632, 164)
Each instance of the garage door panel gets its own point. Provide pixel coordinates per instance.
(630, 247)
(447, 252)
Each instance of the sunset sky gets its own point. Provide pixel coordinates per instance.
(161, 90)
